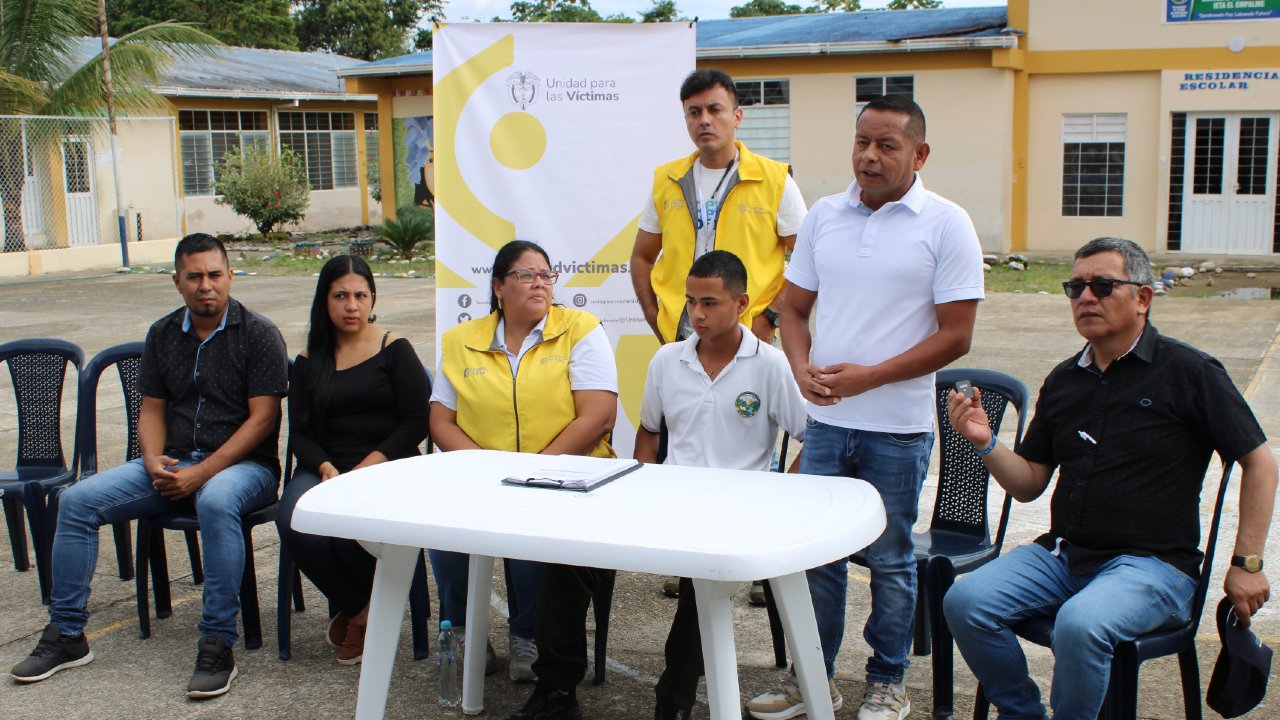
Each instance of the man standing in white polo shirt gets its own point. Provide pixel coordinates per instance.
(899, 272)
(723, 393)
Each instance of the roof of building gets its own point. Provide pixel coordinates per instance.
(252, 73)
(824, 33)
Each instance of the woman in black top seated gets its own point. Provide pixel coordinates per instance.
(357, 397)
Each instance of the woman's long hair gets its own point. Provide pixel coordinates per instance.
(507, 257)
(318, 378)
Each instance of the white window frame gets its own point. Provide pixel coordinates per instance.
(859, 104)
(199, 161)
(328, 155)
(1086, 132)
(766, 117)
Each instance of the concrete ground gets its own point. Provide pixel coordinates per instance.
(1024, 335)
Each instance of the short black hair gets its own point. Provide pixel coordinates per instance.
(702, 80)
(902, 105)
(198, 243)
(724, 265)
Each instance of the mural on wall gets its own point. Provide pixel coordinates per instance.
(419, 144)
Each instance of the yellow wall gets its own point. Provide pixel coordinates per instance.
(1131, 24)
(1137, 95)
(971, 155)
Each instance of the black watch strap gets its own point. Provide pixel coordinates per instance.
(771, 315)
(1250, 563)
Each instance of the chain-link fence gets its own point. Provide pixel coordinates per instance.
(57, 186)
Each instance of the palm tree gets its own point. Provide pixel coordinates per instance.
(41, 73)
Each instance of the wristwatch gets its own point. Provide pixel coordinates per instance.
(771, 315)
(1250, 563)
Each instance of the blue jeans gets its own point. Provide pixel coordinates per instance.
(1126, 597)
(125, 493)
(450, 571)
(895, 465)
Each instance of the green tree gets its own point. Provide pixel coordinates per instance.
(913, 4)
(836, 6)
(365, 29)
(559, 11)
(762, 8)
(662, 11)
(271, 191)
(41, 74)
(248, 23)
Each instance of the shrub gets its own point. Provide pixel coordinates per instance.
(268, 190)
(405, 234)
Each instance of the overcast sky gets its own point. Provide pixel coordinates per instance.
(468, 10)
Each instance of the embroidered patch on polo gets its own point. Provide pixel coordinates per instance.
(747, 404)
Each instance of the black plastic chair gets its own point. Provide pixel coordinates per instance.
(1122, 690)
(959, 536)
(151, 554)
(127, 360)
(38, 369)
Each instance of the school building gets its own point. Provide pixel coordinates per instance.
(1050, 122)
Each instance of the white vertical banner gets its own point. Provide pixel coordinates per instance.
(550, 132)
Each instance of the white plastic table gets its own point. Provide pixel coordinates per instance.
(719, 527)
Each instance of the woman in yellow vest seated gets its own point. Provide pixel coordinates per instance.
(531, 376)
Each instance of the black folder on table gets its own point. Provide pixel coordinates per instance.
(572, 472)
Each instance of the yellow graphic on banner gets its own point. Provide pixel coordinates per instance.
(446, 278)
(452, 92)
(633, 354)
(616, 252)
(518, 140)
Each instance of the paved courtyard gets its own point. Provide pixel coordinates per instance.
(1021, 334)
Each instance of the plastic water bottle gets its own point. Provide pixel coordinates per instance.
(447, 658)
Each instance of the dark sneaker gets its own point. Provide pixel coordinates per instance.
(215, 668)
(662, 712)
(54, 652)
(757, 597)
(550, 705)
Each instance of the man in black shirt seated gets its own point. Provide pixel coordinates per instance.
(211, 379)
(1130, 422)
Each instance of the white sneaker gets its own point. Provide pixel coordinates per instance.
(885, 701)
(522, 654)
(785, 701)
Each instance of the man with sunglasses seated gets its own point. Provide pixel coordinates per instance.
(1130, 422)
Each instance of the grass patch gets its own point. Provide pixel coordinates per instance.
(1040, 276)
(285, 263)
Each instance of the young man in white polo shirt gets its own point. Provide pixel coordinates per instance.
(724, 393)
(899, 273)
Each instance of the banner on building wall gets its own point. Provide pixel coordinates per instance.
(550, 133)
(1207, 10)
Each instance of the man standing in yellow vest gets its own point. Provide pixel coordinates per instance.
(683, 220)
(722, 197)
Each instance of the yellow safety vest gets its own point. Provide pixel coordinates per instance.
(524, 413)
(747, 227)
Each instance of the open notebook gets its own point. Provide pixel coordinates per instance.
(571, 472)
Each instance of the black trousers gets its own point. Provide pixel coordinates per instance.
(339, 567)
(678, 686)
(560, 625)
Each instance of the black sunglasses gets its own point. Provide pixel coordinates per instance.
(1101, 287)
